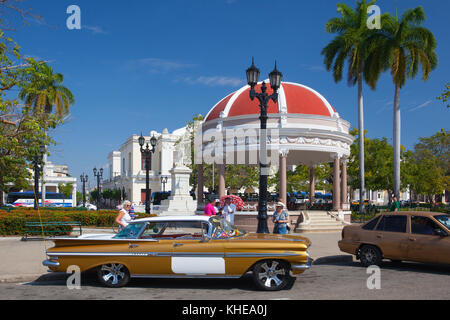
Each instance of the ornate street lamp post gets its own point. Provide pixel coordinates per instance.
(99, 176)
(263, 97)
(38, 164)
(84, 179)
(147, 153)
(164, 181)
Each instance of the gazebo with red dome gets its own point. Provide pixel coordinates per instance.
(308, 131)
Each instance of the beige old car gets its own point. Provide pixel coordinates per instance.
(400, 236)
(184, 247)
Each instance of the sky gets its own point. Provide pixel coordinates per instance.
(138, 66)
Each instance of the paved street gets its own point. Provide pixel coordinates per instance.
(327, 281)
(335, 276)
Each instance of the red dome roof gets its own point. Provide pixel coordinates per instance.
(292, 98)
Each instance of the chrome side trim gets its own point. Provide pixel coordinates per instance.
(50, 263)
(90, 254)
(174, 254)
(113, 240)
(185, 276)
(265, 254)
(246, 239)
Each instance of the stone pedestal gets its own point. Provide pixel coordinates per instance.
(180, 201)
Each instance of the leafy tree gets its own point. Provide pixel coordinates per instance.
(239, 176)
(378, 157)
(430, 164)
(439, 146)
(45, 92)
(428, 177)
(93, 196)
(298, 179)
(353, 46)
(444, 96)
(21, 134)
(79, 197)
(404, 46)
(66, 189)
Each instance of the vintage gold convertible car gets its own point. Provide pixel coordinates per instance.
(184, 247)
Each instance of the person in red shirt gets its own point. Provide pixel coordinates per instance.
(209, 208)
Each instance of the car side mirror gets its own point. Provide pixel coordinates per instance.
(441, 233)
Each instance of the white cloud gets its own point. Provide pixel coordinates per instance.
(156, 65)
(421, 105)
(95, 29)
(314, 68)
(213, 81)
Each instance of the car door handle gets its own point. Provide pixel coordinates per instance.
(177, 244)
(379, 236)
(133, 246)
(412, 239)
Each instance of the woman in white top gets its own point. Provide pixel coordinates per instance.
(124, 218)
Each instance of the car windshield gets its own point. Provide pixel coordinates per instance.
(444, 219)
(222, 229)
(131, 231)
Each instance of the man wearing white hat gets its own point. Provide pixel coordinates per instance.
(281, 219)
(228, 210)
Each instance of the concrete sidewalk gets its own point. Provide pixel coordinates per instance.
(21, 261)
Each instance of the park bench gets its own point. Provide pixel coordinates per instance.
(34, 228)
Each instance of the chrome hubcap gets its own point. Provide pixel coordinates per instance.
(369, 255)
(113, 273)
(270, 275)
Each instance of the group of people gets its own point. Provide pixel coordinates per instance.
(213, 208)
(280, 217)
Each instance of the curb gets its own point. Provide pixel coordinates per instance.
(334, 259)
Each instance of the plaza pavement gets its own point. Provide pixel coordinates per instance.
(21, 261)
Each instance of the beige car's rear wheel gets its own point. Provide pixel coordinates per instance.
(113, 275)
(271, 275)
(370, 255)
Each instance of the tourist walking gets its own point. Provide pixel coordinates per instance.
(280, 219)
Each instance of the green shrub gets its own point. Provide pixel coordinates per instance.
(13, 222)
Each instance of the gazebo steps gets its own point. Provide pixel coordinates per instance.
(318, 228)
(320, 221)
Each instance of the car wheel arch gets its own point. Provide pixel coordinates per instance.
(251, 268)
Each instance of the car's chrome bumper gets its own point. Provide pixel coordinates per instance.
(50, 263)
(305, 266)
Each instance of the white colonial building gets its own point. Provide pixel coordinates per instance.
(126, 166)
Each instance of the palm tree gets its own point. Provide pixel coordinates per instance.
(352, 45)
(45, 92)
(405, 46)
